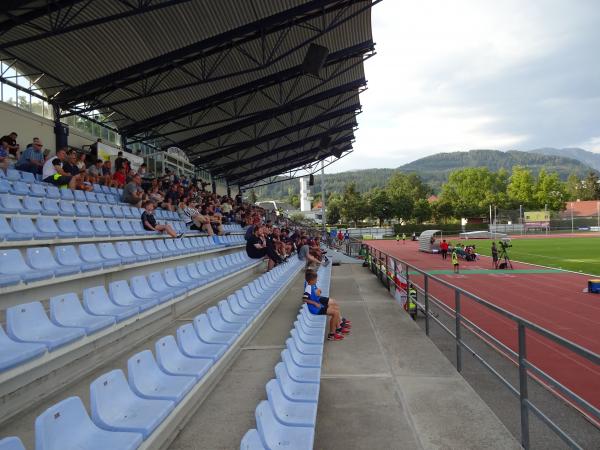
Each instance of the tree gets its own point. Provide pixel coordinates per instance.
(409, 185)
(333, 210)
(442, 211)
(422, 211)
(294, 200)
(573, 187)
(520, 187)
(550, 191)
(379, 205)
(590, 189)
(353, 205)
(470, 191)
(402, 206)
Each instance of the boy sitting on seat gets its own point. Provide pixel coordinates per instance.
(338, 326)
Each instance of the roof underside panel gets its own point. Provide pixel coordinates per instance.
(222, 80)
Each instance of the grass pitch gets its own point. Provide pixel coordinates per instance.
(579, 254)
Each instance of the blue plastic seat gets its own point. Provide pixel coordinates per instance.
(139, 251)
(85, 227)
(67, 194)
(50, 207)
(139, 229)
(81, 209)
(302, 359)
(114, 191)
(289, 412)
(10, 204)
(121, 295)
(95, 210)
(300, 374)
(4, 185)
(66, 311)
(20, 188)
(162, 248)
(127, 228)
(302, 347)
(190, 345)
(192, 271)
(172, 247)
(66, 208)
(22, 229)
(90, 254)
(41, 259)
(114, 228)
(107, 211)
(172, 361)
(294, 390)
(97, 302)
(13, 174)
(108, 252)
(208, 334)
(100, 228)
(128, 213)
(189, 282)
(277, 435)
(80, 197)
(237, 309)
(11, 443)
(13, 353)
(151, 249)
(124, 251)
(118, 212)
(53, 192)
(148, 381)
(31, 205)
(157, 283)
(67, 256)
(219, 324)
(141, 289)
(106, 189)
(173, 282)
(181, 246)
(29, 323)
(13, 269)
(229, 316)
(55, 430)
(91, 197)
(116, 408)
(37, 190)
(6, 232)
(47, 226)
(252, 441)
(67, 228)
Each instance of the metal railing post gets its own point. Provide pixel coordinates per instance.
(523, 395)
(426, 289)
(457, 330)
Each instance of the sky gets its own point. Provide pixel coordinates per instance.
(478, 74)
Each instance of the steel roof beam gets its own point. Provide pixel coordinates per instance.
(236, 92)
(34, 13)
(135, 10)
(282, 169)
(260, 140)
(284, 148)
(213, 45)
(308, 155)
(269, 113)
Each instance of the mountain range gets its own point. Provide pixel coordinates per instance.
(435, 169)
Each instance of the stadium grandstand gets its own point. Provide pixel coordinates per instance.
(138, 307)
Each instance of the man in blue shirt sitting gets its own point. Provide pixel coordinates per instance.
(32, 159)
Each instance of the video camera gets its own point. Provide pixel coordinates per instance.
(505, 243)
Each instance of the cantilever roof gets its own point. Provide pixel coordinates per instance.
(223, 80)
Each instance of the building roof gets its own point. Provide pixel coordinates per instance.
(222, 80)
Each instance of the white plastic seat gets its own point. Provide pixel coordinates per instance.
(295, 390)
(289, 412)
(97, 302)
(208, 334)
(13, 353)
(192, 346)
(66, 311)
(172, 361)
(277, 435)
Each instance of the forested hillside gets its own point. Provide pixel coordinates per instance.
(434, 171)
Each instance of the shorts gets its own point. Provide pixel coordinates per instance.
(58, 181)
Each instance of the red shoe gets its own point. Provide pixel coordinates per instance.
(342, 330)
(349, 322)
(335, 337)
(345, 325)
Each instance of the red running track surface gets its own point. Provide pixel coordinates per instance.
(554, 301)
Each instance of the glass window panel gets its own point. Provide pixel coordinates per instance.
(48, 112)
(24, 101)
(23, 81)
(37, 106)
(9, 94)
(104, 133)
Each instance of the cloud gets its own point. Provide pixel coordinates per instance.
(468, 74)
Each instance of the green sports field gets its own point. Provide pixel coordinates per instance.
(580, 254)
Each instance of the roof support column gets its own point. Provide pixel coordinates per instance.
(61, 130)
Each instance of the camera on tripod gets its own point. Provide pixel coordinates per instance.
(505, 243)
(504, 246)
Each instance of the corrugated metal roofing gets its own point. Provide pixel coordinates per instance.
(222, 79)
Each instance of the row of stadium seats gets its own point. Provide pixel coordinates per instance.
(24, 228)
(126, 410)
(49, 191)
(40, 263)
(30, 333)
(289, 414)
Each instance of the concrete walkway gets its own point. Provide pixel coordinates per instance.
(376, 392)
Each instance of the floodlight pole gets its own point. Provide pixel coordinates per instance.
(571, 217)
(323, 195)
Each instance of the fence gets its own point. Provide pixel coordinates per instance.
(391, 270)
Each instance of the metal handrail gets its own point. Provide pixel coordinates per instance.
(378, 260)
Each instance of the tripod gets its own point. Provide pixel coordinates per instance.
(504, 256)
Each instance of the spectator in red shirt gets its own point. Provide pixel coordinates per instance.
(444, 249)
(119, 177)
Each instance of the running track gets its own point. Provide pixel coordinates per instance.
(553, 300)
